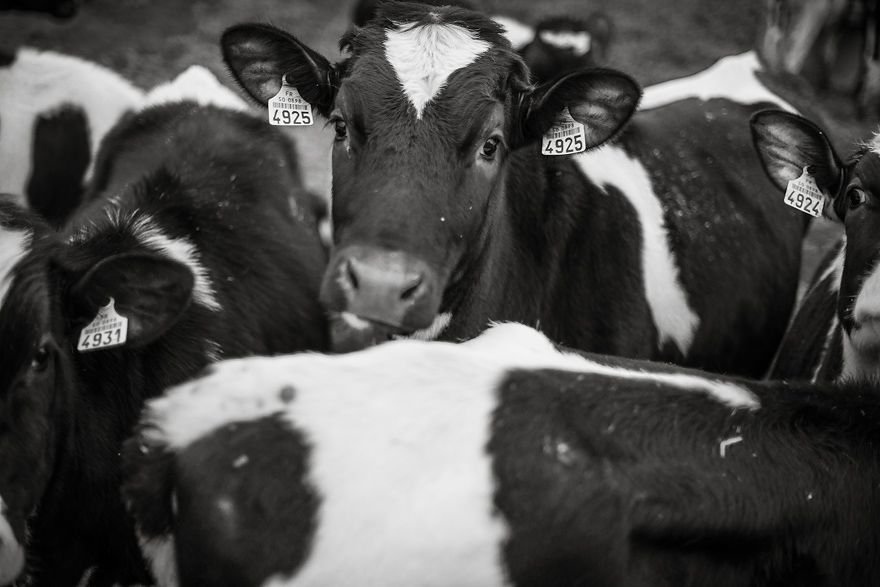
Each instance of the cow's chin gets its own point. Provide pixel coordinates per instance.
(349, 332)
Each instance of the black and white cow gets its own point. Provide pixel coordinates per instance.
(446, 215)
(836, 332)
(189, 232)
(502, 461)
(54, 110)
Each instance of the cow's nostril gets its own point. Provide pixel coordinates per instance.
(352, 275)
(410, 290)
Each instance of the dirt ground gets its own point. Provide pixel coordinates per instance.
(150, 41)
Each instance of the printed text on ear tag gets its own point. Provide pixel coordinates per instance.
(108, 329)
(287, 108)
(803, 194)
(566, 137)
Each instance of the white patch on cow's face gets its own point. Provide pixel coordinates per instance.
(517, 33)
(578, 42)
(199, 85)
(14, 245)
(182, 251)
(432, 332)
(159, 553)
(865, 334)
(731, 77)
(11, 551)
(673, 316)
(423, 57)
(41, 82)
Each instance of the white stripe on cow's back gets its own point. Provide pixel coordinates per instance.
(517, 33)
(42, 82)
(667, 299)
(731, 77)
(578, 42)
(199, 85)
(424, 56)
(180, 249)
(14, 245)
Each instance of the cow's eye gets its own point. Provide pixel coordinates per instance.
(489, 148)
(40, 360)
(855, 198)
(341, 129)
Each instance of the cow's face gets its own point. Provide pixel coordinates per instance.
(426, 111)
(789, 143)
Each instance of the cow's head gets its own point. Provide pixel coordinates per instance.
(787, 144)
(563, 44)
(50, 290)
(426, 111)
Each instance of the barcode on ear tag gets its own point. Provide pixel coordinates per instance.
(803, 194)
(107, 329)
(566, 137)
(287, 108)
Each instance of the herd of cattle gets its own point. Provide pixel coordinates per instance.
(563, 384)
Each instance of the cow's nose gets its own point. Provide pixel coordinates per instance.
(387, 287)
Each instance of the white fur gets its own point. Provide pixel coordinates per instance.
(874, 145)
(40, 82)
(423, 57)
(354, 321)
(576, 41)
(731, 77)
(199, 85)
(867, 306)
(159, 553)
(432, 332)
(517, 33)
(673, 316)
(14, 245)
(11, 551)
(403, 427)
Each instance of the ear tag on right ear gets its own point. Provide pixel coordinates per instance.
(108, 329)
(565, 137)
(803, 194)
(287, 108)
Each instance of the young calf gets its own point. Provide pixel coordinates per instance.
(502, 461)
(54, 111)
(837, 329)
(447, 216)
(188, 234)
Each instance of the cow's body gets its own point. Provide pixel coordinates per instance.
(189, 228)
(54, 111)
(502, 461)
(653, 246)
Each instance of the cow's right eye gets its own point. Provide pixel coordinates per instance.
(40, 359)
(341, 130)
(855, 198)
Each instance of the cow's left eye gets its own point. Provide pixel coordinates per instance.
(489, 148)
(40, 360)
(855, 198)
(341, 130)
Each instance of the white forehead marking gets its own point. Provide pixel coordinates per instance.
(14, 245)
(673, 316)
(199, 85)
(424, 56)
(576, 41)
(731, 77)
(517, 33)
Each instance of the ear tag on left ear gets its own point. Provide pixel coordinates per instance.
(803, 194)
(108, 329)
(287, 108)
(565, 137)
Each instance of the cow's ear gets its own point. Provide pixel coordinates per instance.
(151, 291)
(261, 56)
(787, 143)
(603, 100)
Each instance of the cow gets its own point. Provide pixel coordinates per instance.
(446, 215)
(54, 111)
(835, 333)
(504, 461)
(555, 46)
(186, 250)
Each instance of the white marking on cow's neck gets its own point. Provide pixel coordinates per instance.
(577, 42)
(673, 316)
(14, 245)
(11, 551)
(159, 552)
(199, 85)
(517, 33)
(424, 56)
(731, 77)
(432, 332)
(181, 250)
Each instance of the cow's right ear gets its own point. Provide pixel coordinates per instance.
(261, 56)
(787, 143)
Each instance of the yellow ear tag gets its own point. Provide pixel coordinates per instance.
(565, 137)
(108, 329)
(803, 194)
(287, 108)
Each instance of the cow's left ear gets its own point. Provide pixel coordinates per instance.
(151, 291)
(260, 56)
(603, 100)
